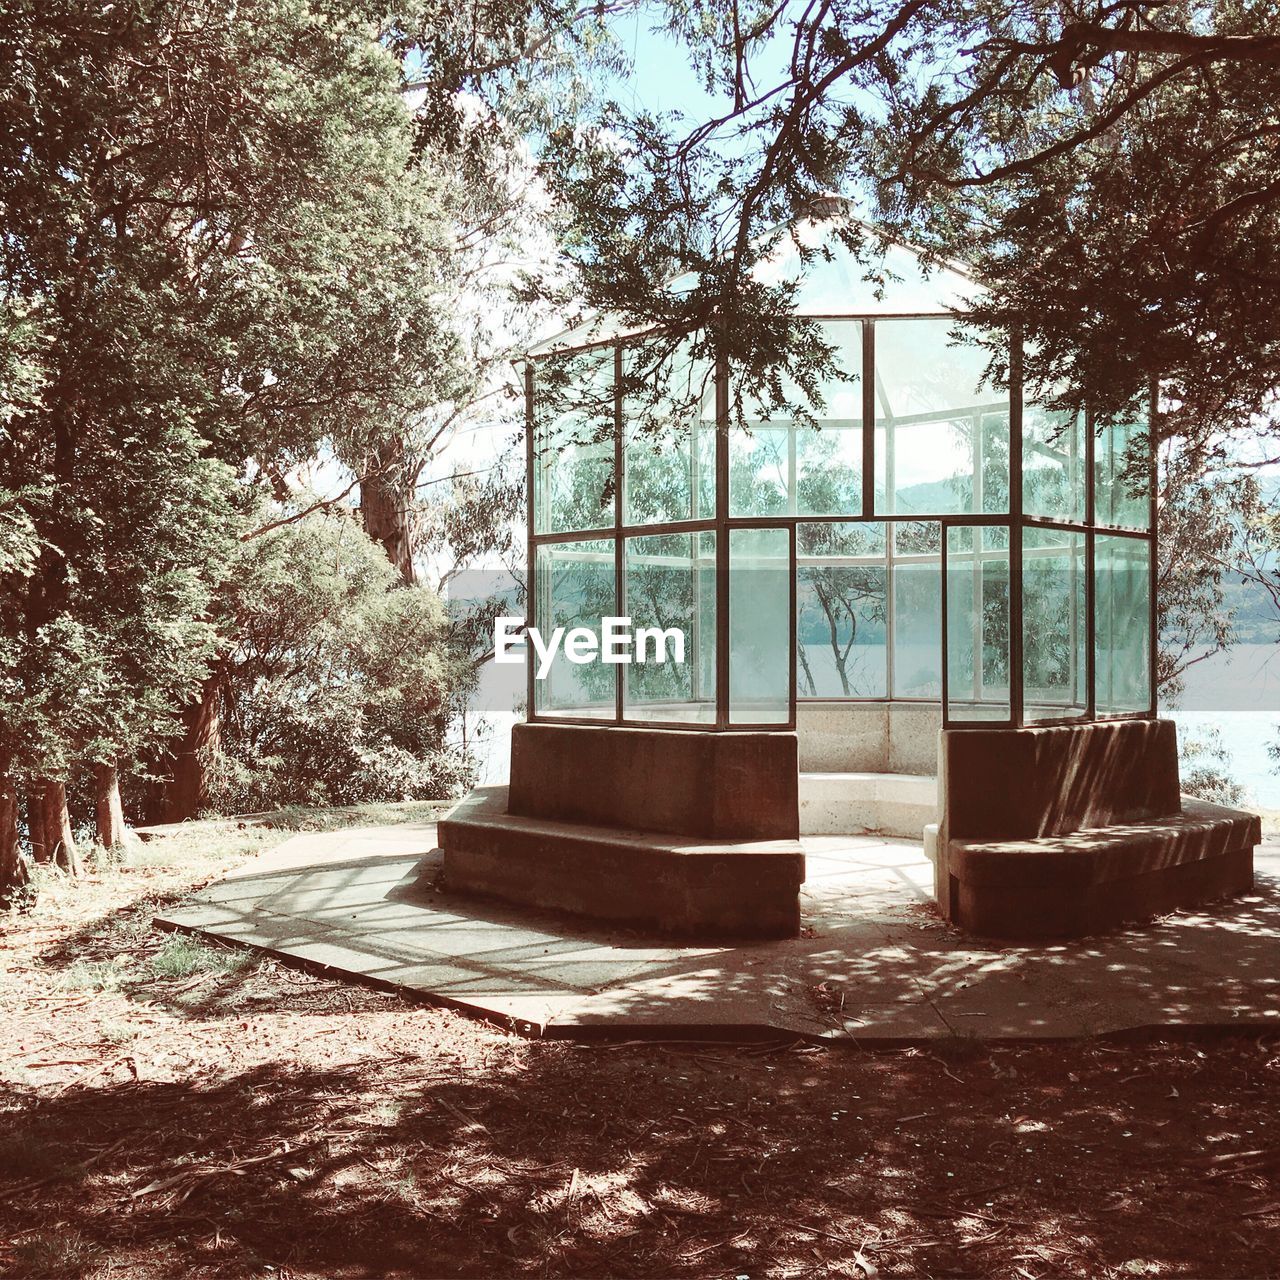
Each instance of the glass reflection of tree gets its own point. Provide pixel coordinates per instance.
(1050, 643)
(758, 473)
(669, 425)
(995, 627)
(580, 593)
(573, 440)
(663, 584)
(1053, 464)
(847, 596)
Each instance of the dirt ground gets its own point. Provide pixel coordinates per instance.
(168, 1109)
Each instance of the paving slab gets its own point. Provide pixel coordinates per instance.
(875, 964)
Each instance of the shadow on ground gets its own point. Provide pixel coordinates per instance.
(518, 1158)
(875, 964)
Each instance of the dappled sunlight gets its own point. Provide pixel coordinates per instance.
(410, 1142)
(874, 962)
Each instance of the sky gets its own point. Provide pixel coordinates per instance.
(662, 79)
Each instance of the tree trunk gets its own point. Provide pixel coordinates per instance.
(14, 877)
(59, 843)
(188, 791)
(35, 824)
(107, 807)
(384, 510)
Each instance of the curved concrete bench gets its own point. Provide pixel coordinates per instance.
(685, 885)
(1061, 831)
(1067, 885)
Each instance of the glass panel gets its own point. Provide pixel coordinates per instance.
(916, 599)
(760, 471)
(994, 456)
(575, 590)
(1053, 479)
(830, 275)
(573, 441)
(942, 442)
(781, 467)
(978, 624)
(670, 583)
(670, 424)
(841, 611)
(1122, 476)
(759, 626)
(1122, 612)
(1053, 631)
(917, 538)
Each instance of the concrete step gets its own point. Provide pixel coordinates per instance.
(892, 804)
(678, 884)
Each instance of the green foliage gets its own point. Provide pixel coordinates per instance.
(181, 957)
(337, 690)
(1205, 769)
(1206, 519)
(223, 257)
(1108, 176)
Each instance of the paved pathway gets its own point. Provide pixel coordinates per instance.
(874, 964)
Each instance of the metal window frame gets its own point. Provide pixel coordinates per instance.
(1015, 520)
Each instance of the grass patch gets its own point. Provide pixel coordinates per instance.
(60, 1253)
(91, 975)
(358, 815)
(183, 957)
(117, 1032)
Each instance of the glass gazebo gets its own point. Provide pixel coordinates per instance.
(918, 537)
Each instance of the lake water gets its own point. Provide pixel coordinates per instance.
(1239, 693)
(1246, 736)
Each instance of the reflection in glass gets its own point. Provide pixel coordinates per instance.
(759, 626)
(670, 584)
(917, 538)
(782, 467)
(1122, 612)
(942, 440)
(575, 589)
(841, 611)
(1122, 476)
(573, 433)
(1053, 632)
(1052, 464)
(917, 630)
(669, 416)
(978, 623)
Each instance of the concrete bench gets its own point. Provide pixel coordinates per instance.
(1083, 881)
(1065, 830)
(689, 886)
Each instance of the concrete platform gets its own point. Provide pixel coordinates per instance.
(876, 965)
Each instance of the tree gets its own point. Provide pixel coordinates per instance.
(337, 689)
(19, 551)
(219, 263)
(1208, 522)
(1108, 176)
(847, 597)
